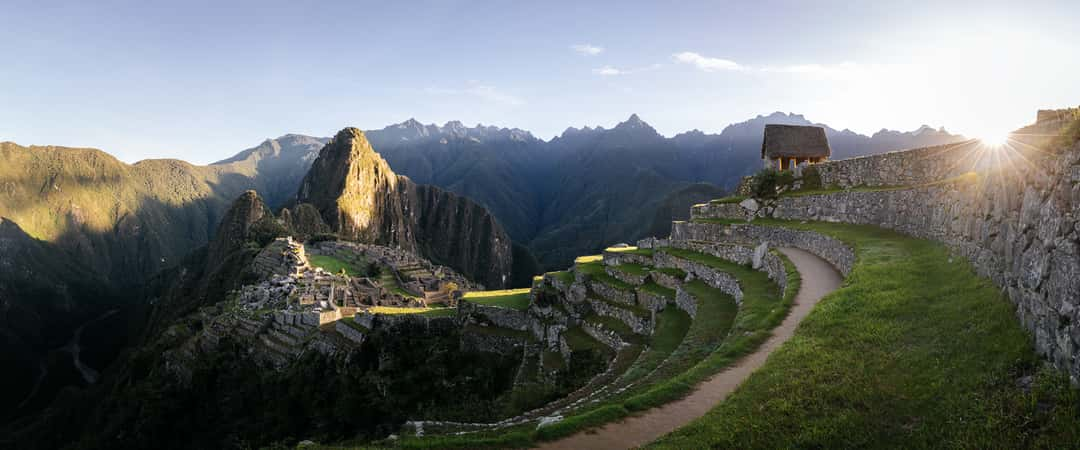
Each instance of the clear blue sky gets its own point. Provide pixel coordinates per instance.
(200, 81)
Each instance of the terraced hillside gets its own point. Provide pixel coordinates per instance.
(665, 316)
(915, 349)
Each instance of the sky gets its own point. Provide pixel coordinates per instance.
(201, 81)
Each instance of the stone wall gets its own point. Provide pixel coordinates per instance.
(606, 337)
(625, 277)
(1017, 226)
(616, 258)
(686, 302)
(640, 325)
(723, 281)
(613, 294)
(665, 280)
(513, 319)
(349, 332)
(907, 167)
(738, 254)
(651, 301)
(729, 210)
(828, 248)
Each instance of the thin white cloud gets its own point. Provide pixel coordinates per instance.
(841, 71)
(481, 91)
(706, 63)
(587, 49)
(608, 71)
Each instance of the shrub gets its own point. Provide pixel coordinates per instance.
(811, 178)
(768, 182)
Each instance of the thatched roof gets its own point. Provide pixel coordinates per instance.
(794, 141)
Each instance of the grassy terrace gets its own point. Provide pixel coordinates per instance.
(579, 340)
(682, 353)
(657, 289)
(427, 312)
(719, 335)
(671, 271)
(594, 268)
(565, 276)
(334, 264)
(507, 298)
(500, 331)
(913, 351)
(390, 282)
(635, 309)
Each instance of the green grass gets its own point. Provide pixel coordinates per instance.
(553, 360)
(631, 250)
(671, 271)
(579, 340)
(914, 351)
(565, 276)
(594, 269)
(426, 312)
(686, 352)
(632, 269)
(610, 323)
(500, 331)
(657, 289)
(672, 326)
(333, 264)
(507, 298)
(390, 282)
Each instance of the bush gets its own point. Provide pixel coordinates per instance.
(768, 182)
(811, 178)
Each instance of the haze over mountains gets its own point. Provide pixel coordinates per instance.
(582, 190)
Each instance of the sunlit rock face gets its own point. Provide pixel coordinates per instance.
(359, 198)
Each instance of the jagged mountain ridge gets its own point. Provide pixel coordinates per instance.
(568, 195)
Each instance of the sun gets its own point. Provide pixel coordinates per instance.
(994, 139)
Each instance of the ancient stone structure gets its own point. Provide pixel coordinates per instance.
(1015, 218)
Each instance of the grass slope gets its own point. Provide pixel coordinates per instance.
(913, 351)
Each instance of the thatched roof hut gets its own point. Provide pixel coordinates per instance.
(795, 142)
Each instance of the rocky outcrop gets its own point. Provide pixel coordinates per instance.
(358, 197)
(236, 226)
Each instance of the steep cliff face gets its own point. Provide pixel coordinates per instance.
(359, 198)
(356, 192)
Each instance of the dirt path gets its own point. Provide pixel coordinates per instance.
(818, 279)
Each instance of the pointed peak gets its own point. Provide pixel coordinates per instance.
(633, 122)
(411, 123)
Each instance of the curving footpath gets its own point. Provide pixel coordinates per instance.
(818, 279)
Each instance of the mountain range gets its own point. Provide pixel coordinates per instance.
(577, 192)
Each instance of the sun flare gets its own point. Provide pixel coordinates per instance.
(994, 139)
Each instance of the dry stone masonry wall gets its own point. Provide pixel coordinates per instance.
(1017, 223)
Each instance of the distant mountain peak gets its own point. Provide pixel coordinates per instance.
(634, 123)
